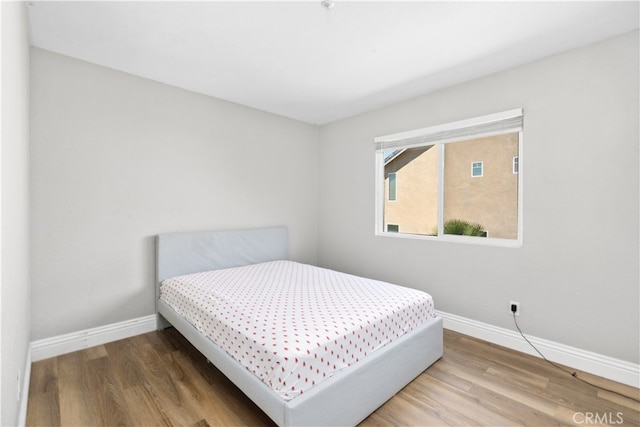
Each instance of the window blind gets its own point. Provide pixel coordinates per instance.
(479, 126)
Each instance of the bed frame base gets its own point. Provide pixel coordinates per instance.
(346, 398)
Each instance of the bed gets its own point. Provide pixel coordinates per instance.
(344, 396)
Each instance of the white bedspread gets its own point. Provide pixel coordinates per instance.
(293, 324)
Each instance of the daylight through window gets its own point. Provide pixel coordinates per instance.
(460, 181)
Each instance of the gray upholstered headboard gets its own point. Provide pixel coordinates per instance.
(192, 252)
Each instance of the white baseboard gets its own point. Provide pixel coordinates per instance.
(604, 366)
(62, 344)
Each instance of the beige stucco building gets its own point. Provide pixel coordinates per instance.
(480, 186)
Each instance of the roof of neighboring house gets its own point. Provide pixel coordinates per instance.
(392, 154)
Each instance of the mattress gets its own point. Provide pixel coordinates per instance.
(294, 325)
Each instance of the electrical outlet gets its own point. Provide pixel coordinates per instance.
(514, 308)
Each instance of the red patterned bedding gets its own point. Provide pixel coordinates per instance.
(294, 325)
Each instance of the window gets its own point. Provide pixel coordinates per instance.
(392, 186)
(476, 169)
(393, 228)
(441, 198)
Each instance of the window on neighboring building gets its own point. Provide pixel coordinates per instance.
(440, 198)
(393, 228)
(392, 177)
(476, 169)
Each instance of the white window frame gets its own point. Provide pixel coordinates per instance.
(493, 124)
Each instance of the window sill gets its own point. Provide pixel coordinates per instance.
(481, 241)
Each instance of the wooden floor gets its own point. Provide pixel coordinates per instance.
(159, 379)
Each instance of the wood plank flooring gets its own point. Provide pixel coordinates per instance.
(159, 379)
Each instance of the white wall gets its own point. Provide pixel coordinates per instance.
(577, 275)
(117, 159)
(14, 212)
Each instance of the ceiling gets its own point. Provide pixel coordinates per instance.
(303, 61)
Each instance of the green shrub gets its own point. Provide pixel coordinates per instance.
(461, 227)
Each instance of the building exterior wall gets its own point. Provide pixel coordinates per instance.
(490, 200)
(415, 209)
